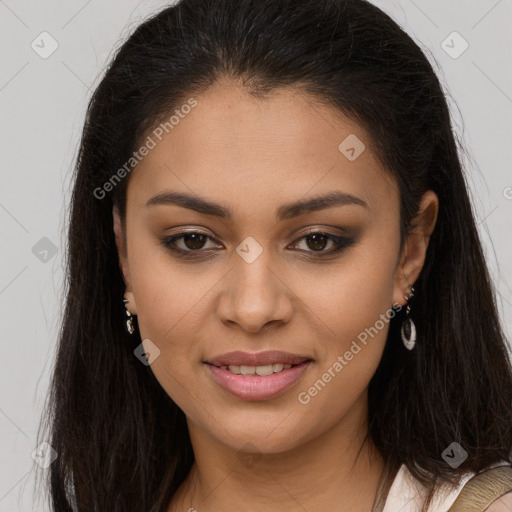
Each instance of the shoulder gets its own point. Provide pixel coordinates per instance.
(503, 504)
(407, 494)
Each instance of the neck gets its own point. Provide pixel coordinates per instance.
(335, 471)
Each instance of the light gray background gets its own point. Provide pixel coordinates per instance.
(43, 102)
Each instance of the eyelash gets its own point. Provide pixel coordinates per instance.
(340, 242)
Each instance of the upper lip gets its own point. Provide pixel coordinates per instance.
(240, 358)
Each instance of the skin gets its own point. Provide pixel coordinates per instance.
(254, 155)
(503, 504)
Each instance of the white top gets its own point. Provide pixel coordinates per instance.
(407, 495)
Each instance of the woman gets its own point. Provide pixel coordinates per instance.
(277, 296)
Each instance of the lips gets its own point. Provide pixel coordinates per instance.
(257, 376)
(269, 357)
(257, 387)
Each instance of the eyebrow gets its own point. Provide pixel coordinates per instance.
(287, 211)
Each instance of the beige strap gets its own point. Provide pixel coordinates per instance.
(480, 491)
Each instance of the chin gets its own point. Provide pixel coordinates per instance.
(272, 434)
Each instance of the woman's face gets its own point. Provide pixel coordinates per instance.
(250, 275)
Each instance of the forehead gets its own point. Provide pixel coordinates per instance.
(246, 149)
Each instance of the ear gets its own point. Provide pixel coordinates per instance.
(415, 247)
(120, 236)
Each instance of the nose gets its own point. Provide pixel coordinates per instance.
(255, 295)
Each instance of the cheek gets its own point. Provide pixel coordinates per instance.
(355, 312)
(170, 314)
(170, 311)
(165, 296)
(353, 297)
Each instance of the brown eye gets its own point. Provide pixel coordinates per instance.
(192, 244)
(189, 244)
(194, 240)
(317, 242)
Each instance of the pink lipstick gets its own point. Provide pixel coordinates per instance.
(257, 376)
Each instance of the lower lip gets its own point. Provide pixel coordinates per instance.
(256, 387)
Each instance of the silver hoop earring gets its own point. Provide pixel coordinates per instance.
(408, 329)
(129, 321)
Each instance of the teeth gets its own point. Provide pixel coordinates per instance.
(265, 370)
(268, 369)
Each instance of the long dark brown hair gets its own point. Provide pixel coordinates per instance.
(122, 442)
